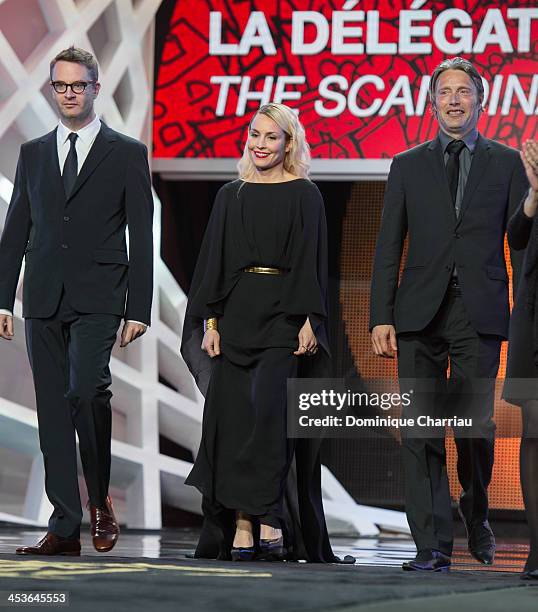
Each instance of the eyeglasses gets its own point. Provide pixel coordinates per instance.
(77, 87)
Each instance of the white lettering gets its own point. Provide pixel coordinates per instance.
(264, 96)
(523, 16)
(216, 46)
(400, 95)
(514, 87)
(493, 32)
(282, 82)
(340, 32)
(495, 94)
(224, 82)
(257, 34)
(408, 31)
(373, 46)
(298, 21)
(331, 95)
(367, 111)
(463, 35)
(423, 93)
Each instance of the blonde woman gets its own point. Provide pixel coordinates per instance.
(258, 296)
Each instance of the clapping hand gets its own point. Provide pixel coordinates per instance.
(529, 157)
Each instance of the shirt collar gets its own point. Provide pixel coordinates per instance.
(469, 140)
(87, 134)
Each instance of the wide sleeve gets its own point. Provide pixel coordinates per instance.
(210, 280)
(304, 290)
(214, 276)
(305, 287)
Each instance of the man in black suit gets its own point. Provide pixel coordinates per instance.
(76, 189)
(451, 197)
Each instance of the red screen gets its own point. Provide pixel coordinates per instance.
(357, 77)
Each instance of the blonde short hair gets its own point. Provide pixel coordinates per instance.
(297, 159)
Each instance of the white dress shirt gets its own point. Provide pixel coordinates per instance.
(83, 144)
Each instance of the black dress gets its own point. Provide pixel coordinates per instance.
(521, 381)
(245, 461)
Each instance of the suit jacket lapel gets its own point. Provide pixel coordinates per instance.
(437, 164)
(102, 146)
(479, 164)
(51, 164)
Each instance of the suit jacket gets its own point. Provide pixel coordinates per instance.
(78, 242)
(418, 204)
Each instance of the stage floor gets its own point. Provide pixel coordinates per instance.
(149, 571)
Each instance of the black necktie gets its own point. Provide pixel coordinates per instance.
(454, 148)
(69, 174)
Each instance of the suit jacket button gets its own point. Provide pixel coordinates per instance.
(67, 218)
(456, 235)
(64, 246)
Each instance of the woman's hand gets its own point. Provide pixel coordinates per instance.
(308, 345)
(529, 157)
(211, 342)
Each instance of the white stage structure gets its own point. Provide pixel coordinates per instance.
(120, 34)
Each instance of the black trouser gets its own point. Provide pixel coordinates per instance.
(425, 356)
(529, 476)
(69, 354)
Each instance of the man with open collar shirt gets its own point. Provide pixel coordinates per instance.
(76, 189)
(451, 198)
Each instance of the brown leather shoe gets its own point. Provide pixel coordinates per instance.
(104, 527)
(51, 544)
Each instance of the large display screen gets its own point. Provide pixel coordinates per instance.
(357, 71)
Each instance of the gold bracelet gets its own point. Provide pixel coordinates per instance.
(210, 324)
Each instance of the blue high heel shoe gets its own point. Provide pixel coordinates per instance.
(272, 550)
(246, 553)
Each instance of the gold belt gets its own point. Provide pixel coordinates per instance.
(262, 270)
